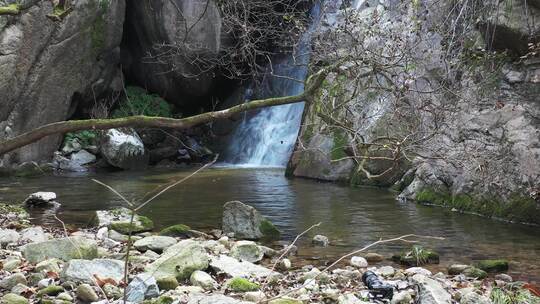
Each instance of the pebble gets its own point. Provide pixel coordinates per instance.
(86, 293)
(359, 262)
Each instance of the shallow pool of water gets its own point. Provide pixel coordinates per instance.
(351, 217)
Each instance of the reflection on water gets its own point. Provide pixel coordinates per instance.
(351, 217)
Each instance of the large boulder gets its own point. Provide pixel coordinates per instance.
(155, 23)
(123, 148)
(179, 261)
(52, 64)
(86, 271)
(246, 222)
(431, 291)
(64, 248)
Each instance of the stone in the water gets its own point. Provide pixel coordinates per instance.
(246, 222)
(234, 268)
(247, 251)
(86, 293)
(155, 243)
(119, 220)
(143, 286)
(124, 149)
(203, 279)
(84, 271)
(320, 240)
(82, 158)
(8, 236)
(359, 262)
(63, 248)
(456, 269)
(492, 265)
(372, 257)
(33, 235)
(431, 291)
(11, 281)
(503, 277)
(40, 199)
(473, 272)
(180, 261)
(12, 298)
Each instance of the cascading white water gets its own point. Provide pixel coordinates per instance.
(267, 139)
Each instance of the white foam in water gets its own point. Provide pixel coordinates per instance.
(267, 139)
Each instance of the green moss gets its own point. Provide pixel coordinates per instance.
(493, 265)
(139, 102)
(340, 143)
(242, 285)
(160, 300)
(85, 138)
(12, 9)
(473, 272)
(52, 290)
(175, 230)
(167, 283)
(97, 35)
(12, 298)
(146, 223)
(268, 230)
(518, 208)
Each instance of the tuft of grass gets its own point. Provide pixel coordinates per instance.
(513, 294)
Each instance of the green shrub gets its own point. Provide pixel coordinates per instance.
(139, 102)
(85, 138)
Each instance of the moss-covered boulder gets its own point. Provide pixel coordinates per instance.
(12, 298)
(493, 265)
(119, 219)
(180, 261)
(242, 285)
(417, 256)
(167, 283)
(179, 230)
(473, 272)
(63, 248)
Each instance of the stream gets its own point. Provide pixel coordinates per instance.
(351, 217)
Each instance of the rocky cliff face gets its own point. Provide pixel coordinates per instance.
(474, 146)
(50, 57)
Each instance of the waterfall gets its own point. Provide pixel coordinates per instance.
(268, 138)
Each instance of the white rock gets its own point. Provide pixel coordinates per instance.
(247, 251)
(83, 271)
(417, 270)
(235, 268)
(33, 235)
(82, 158)
(359, 262)
(254, 296)
(386, 271)
(8, 236)
(204, 280)
(320, 240)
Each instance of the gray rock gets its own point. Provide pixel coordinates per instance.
(246, 222)
(143, 286)
(431, 291)
(86, 293)
(374, 257)
(214, 299)
(234, 268)
(63, 248)
(417, 270)
(247, 251)
(203, 280)
(12, 280)
(123, 148)
(474, 298)
(180, 261)
(457, 269)
(359, 262)
(118, 220)
(40, 199)
(503, 277)
(402, 297)
(11, 298)
(386, 271)
(33, 235)
(49, 265)
(320, 240)
(8, 236)
(83, 271)
(11, 264)
(61, 162)
(20, 289)
(155, 243)
(82, 158)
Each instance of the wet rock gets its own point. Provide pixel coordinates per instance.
(11, 298)
(33, 235)
(63, 248)
(359, 262)
(431, 291)
(143, 286)
(234, 268)
(492, 265)
(247, 251)
(40, 199)
(180, 261)
(8, 236)
(155, 243)
(84, 270)
(119, 220)
(82, 158)
(203, 280)
(11, 281)
(473, 272)
(124, 149)
(246, 222)
(456, 269)
(86, 293)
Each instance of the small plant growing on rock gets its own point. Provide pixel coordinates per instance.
(139, 102)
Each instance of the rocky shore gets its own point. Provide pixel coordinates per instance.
(181, 265)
